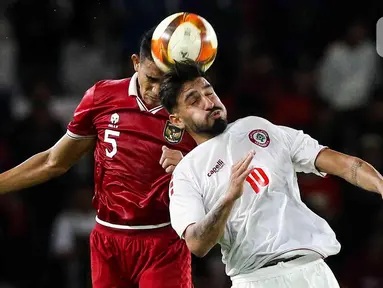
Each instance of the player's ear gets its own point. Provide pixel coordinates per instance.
(175, 120)
(136, 61)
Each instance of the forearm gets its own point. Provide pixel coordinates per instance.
(363, 175)
(352, 169)
(33, 171)
(204, 235)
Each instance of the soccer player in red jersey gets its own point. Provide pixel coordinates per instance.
(132, 243)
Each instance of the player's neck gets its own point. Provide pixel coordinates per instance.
(200, 138)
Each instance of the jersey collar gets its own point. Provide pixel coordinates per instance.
(133, 86)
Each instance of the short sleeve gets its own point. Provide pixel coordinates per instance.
(303, 150)
(186, 206)
(81, 125)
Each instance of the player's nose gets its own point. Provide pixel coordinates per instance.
(208, 103)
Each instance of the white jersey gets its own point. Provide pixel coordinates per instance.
(269, 219)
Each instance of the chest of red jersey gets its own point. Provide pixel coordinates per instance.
(131, 138)
(131, 187)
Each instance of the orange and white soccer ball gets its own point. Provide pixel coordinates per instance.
(184, 36)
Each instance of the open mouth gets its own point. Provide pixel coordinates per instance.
(216, 114)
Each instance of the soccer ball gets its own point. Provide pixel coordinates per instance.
(183, 36)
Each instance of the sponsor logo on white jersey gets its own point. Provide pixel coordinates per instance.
(216, 168)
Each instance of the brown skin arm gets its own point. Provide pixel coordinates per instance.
(352, 169)
(202, 236)
(45, 165)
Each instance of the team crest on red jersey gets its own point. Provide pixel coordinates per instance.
(259, 137)
(172, 133)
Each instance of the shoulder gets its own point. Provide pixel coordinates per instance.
(192, 162)
(258, 130)
(112, 84)
(251, 122)
(184, 167)
(110, 88)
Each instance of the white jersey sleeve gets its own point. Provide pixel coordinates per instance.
(303, 150)
(186, 206)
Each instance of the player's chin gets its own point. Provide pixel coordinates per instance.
(220, 119)
(152, 99)
(219, 125)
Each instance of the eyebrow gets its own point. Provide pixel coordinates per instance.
(206, 86)
(191, 92)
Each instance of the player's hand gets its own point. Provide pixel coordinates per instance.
(170, 159)
(239, 172)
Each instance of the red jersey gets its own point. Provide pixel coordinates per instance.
(131, 187)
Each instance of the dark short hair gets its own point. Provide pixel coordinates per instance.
(146, 45)
(178, 75)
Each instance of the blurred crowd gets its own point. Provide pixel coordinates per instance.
(309, 64)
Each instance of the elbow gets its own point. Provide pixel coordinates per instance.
(200, 253)
(197, 245)
(197, 249)
(53, 166)
(56, 170)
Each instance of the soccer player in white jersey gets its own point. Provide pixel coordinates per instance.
(239, 188)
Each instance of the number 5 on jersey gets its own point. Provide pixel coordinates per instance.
(257, 179)
(112, 141)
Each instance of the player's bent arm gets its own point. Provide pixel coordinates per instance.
(200, 237)
(45, 165)
(354, 170)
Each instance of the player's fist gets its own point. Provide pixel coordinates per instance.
(170, 159)
(239, 172)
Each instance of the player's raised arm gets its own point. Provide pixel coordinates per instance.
(79, 139)
(310, 157)
(45, 165)
(352, 169)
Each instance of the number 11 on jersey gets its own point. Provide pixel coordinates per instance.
(112, 141)
(257, 179)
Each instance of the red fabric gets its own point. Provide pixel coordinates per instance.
(131, 187)
(155, 258)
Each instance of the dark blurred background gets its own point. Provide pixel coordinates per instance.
(308, 64)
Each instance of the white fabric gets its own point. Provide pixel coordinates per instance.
(126, 227)
(304, 272)
(133, 89)
(262, 225)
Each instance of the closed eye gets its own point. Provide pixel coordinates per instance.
(152, 79)
(194, 100)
